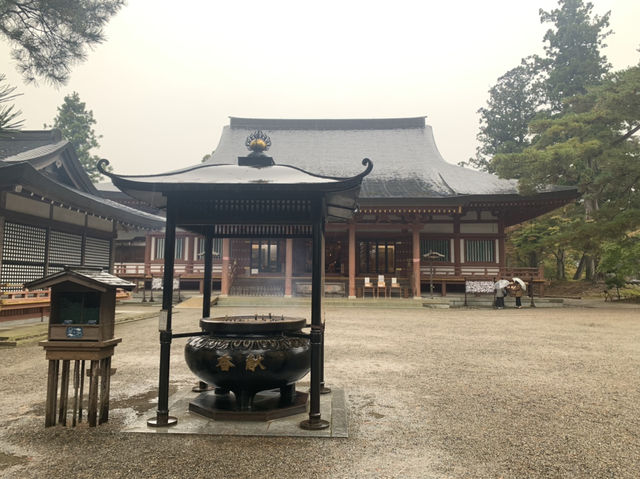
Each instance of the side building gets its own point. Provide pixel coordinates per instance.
(412, 204)
(51, 215)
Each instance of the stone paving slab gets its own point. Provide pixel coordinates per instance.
(333, 408)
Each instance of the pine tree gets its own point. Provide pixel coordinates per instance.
(9, 116)
(504, 123)
(49, 36)
(76, 124)
(573, 51)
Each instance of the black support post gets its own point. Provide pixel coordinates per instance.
(206, 281)
(206, 294)
(162, 416)
(324, 389)
(315, 420)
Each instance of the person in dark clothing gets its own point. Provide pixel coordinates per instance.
(500, 292)
(516, 290)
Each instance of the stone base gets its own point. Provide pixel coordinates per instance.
(266, 406)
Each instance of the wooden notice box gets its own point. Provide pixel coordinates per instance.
(81, 328)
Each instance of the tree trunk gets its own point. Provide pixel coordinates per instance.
(580, 268)
(590, 268)
(560, 272)
(590, 206)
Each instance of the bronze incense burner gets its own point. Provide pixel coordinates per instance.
(249, 354)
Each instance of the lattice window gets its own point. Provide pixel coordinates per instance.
(438, 245)
(265, 255)
(217, 248)
(24, 243)
(377, 257)
(480, 251)
(17, 274)
(179, 248)
(22, 254)
(97, 252)
(65, 249)
(159, 248)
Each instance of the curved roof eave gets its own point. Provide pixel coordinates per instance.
(25, 174)
(225, 178)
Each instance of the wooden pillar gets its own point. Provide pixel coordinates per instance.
(415, 240)
(76, 387)
(92, 407)
(147, 254)
(64, 393)
(105, 381)
(191, 253)
(52, 394)
(162, 415)
(457, 263)
(352, 260)
(81, 393)
(288, 268)
(225, 280)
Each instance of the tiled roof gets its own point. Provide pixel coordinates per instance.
(26, 167)
(97, 277)
(37, 152)
(407, 163)
(14, 143)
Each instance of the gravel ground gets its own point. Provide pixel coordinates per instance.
(431, 393)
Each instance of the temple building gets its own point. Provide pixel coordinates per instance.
(51, 215)
(420, 218)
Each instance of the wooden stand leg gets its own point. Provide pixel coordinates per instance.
(92, 410)
(76, 386)
(81, 390)
(105, 380)
(52, 394)
(64, 393)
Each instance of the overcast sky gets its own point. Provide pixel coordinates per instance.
(170, 74)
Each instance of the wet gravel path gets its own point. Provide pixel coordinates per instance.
(431, 393)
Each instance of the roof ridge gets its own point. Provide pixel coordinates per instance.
(328, 123)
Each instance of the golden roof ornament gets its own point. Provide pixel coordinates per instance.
(258, 142)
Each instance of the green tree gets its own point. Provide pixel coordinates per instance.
(592, 146)
(49, 36)
(76, 124)
(620, 262)
(513, 102)
(9, 116)
(543, 237)
(572, 62)
(549, 149)
(573, 50)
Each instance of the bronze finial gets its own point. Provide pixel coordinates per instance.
(258, 142)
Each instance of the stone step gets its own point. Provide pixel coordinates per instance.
(439, 302)
(266, 302)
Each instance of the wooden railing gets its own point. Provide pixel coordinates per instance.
(444, 272)
(122, 269)
(24, 304)
(157, 269)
